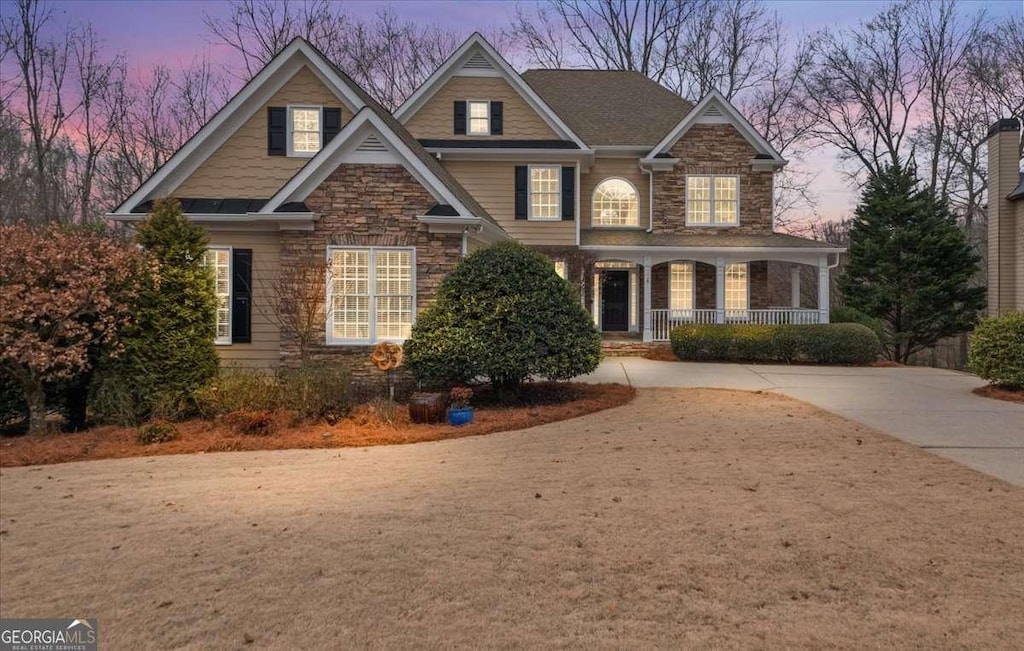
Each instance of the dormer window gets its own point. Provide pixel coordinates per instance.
(304, 130)
(479, 119)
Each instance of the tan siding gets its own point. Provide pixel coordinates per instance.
(492, 184)
(1005, 264)
(604, 168)
(241, 167)
(1019, 259)
(265, 349)
(435, 118)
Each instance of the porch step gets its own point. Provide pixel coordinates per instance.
(632, 348)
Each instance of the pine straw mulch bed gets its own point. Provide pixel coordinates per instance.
(540, 403)
(997, 392)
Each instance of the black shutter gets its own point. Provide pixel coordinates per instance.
(332, 123)
(497, 118)
(522, 190)
(241, 296)
(277, 131)
(568, 193)
(460, 118)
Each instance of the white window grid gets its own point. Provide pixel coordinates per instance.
(478, 118)
(681, 286)
(737, 290)
(371, 294)
(712, 200)
(616, 203)
(305, 130)
(218, 259)
(545, 192)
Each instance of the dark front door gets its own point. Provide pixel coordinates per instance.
(615, 301)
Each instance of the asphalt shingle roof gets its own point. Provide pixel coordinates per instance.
(717, 239)
(610, 107)
(1018, 192)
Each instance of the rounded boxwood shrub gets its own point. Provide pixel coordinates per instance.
(996, 350)
(503, 314)
(840, 343)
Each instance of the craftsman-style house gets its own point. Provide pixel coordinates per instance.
(660, 210)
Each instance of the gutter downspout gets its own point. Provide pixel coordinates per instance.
(650, 197)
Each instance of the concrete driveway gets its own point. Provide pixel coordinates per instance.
(933, 409)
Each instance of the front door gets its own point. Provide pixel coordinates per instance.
(615, 301)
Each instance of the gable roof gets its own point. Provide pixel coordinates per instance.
(240, 108)
(275, 74)
(451, 196)
(714, 108)
(477, 57)
(602, 105)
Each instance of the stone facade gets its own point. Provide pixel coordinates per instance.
(713, 149)
(368, 205)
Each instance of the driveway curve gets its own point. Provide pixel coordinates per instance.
(931, 408)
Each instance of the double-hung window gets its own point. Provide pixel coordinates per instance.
(218, 260)
(479, 119)
(560, 269)
(680, 288)
(305, 130)
(371, 294)
(545, 192)
(712, 200)
(736, 290)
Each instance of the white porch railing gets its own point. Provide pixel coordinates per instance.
(662, 321)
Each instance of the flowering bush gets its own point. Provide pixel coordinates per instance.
(460, 397)
(64, 291)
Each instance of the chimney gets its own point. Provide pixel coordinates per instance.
(1003, 233)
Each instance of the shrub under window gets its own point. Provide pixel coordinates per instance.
(840, 343)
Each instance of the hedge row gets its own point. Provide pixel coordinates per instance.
(834, 343)
(996, 351)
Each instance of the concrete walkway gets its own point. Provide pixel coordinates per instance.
(933, 409)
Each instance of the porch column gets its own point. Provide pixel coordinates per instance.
(794, 286)
(648, 330)
(720, 290)
(823, 289)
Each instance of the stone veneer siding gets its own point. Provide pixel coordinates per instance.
(369, 205)
(713, 149)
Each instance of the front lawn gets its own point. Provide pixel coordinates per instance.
(366, 425)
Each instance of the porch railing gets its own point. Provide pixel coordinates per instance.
(662, 321)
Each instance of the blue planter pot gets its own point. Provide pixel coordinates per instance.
(460, 416)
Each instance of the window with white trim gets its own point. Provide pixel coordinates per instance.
(218, 260)
(479, 114)
(680, 286)
(371, 293)
(615, 203)
(712, 200)
(545, 192)
(736, 290)
(305, 130)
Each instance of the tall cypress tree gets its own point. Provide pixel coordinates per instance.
(169, 353)
(910, 264)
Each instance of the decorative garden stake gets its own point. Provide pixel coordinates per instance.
(387, 357)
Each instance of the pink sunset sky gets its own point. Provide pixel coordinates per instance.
(172, 32)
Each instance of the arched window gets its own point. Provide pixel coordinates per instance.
(615, 203)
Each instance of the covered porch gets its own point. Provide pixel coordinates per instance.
(642, 293)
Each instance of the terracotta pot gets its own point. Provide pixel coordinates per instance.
(428, 407)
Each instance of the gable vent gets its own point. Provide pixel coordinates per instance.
(478, 62)
(372, 143)
(713, 111)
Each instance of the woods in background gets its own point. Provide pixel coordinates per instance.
(80, 128)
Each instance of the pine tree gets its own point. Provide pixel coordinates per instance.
(910, 264)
